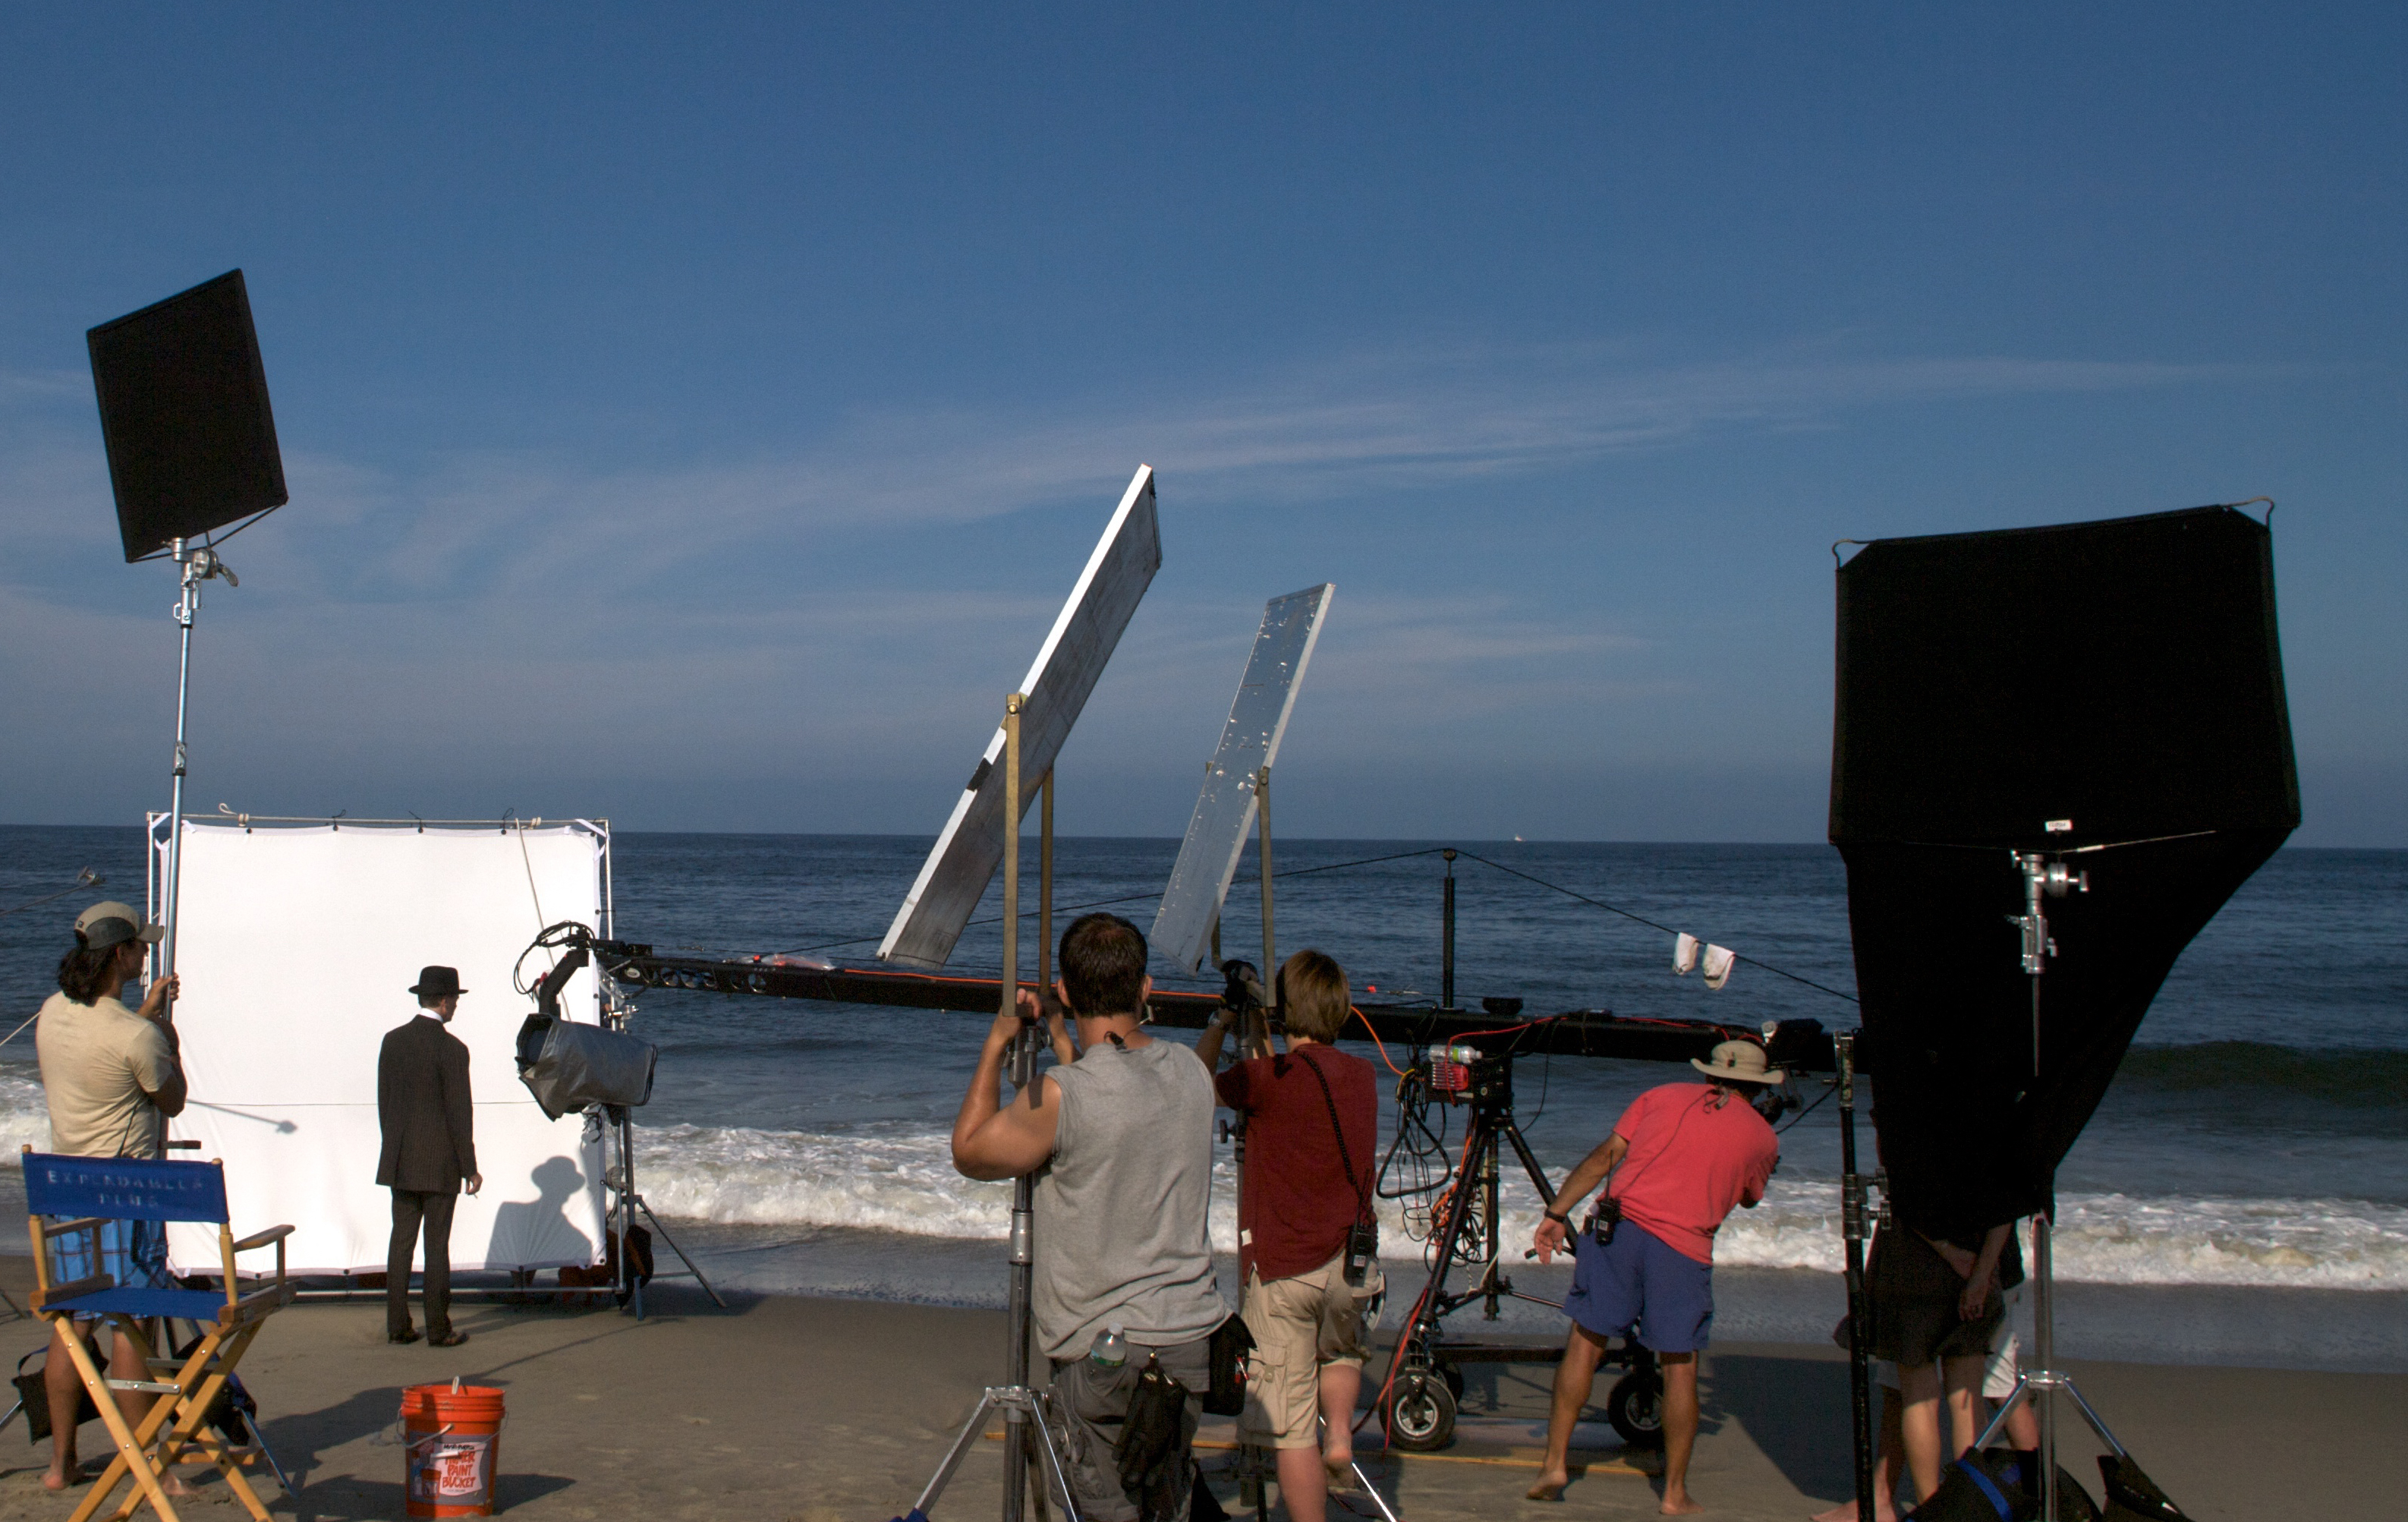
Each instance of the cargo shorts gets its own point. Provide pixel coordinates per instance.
(1301, 1325)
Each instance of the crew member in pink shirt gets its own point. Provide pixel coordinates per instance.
(1679, 1159)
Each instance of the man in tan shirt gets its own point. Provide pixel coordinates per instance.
(113, 1077)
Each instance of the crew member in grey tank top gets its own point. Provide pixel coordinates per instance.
(1121, 1144)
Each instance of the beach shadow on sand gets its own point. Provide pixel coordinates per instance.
(1795, 1410)
(348, 1499)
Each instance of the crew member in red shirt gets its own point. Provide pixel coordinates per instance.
(1312, 1118)
(1679, 1159)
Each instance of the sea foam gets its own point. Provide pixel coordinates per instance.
(904, 1181)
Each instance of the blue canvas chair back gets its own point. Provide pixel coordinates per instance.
(125, 1188)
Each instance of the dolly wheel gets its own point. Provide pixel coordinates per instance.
(1419, 1414)
(1636, 1408)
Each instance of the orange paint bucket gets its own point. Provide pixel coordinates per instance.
(451, 1448)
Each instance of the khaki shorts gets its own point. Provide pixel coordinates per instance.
(1301, 1325)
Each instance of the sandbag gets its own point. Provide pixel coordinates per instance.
(2132, 1496)
(2002, 1485)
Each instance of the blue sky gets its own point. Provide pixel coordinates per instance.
(695, 415)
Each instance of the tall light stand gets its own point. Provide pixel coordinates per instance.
(1024, 1075)
(1026, 1433)
(199, 563)
(1852, 1228)
(2044, 876)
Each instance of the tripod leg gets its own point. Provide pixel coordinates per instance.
(1418, 1333)
(2022, 1393)
(689, 1263)
(954, 1456)
(1053, 1463)
(1529, 1160)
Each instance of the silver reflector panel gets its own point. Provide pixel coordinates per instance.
(1224, 810)
(965, 856)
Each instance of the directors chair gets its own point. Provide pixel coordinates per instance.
(90, 1193)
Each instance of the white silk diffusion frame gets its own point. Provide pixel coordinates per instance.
(297, 943)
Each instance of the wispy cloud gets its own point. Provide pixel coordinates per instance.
(1391, 421)
(1386, 423)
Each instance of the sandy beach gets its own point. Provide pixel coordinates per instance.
(817, 1409)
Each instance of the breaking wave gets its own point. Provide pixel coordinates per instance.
(904, 1181)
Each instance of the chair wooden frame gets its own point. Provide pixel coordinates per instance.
(141, 1189)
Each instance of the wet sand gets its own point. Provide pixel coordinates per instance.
(822, 1410)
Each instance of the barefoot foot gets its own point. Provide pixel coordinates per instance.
(1549, 1487)
(1683, 1504)
(60, 1478)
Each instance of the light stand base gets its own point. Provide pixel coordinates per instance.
(621, 1181)
(1023, 1408)
(2033, 1384)
(692, 1272)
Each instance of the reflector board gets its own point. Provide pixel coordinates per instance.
(965, 856)
(299, 945)
(1224, 810)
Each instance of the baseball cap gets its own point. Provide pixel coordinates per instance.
(109, 923)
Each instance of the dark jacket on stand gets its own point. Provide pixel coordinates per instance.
(430, 1143)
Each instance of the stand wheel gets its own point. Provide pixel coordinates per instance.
(1419, 1414)
(1636, 1408)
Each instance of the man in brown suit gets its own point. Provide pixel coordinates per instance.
(430, 1151)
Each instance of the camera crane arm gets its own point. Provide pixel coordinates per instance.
(1796, 1045)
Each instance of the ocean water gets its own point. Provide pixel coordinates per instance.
(2256, 1140)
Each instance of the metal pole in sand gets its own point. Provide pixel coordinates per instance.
(188, 602)
(1270, 960)
(1852, 1228)
(1045, 888)
(1446, 938)
(1023, 1065)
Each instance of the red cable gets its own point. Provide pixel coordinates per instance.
(1376, 1041)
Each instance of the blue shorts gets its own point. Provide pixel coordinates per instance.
(1637, 1281)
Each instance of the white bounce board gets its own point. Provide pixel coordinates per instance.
(296, 946)
(971, 848)
(1225, 808)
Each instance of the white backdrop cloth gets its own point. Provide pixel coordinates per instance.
(295, 947)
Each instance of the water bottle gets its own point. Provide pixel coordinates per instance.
(1110, 1349)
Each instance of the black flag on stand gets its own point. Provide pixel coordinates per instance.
(2121, 675)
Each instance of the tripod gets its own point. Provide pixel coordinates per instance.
(621, 1181)
(1424, 1385)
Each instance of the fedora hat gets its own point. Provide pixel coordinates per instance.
(1739, 1062)
(439, 983)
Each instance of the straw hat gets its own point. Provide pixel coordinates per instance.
(1739, 1062)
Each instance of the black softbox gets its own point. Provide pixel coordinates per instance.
(184, 416)
(2122, 675)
